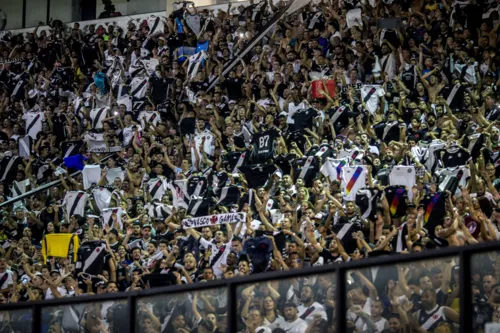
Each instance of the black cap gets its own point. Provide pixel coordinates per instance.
(290, 305)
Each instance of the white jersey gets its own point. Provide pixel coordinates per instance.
(34, 122)
(180, 196)
(8, 281)
(97, 116)
(370, 94)
(353, 154)
(149, 117)
(107, 216)
(76, 202)
(208, 145)
(157, 187)
(431, 160)
(114, 173)
(353, 179)
(91, 175)
(292, 109)
(218, 256)
(403, 176)
(275, 324)
(138, 87)
(95, 141)
(296, 326)
(332, 168)
(102, 197)
(308, 313)
(128, 135)
(388, 65)
(461, 172)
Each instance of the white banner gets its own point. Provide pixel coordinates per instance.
(105, 150)
(202, 221)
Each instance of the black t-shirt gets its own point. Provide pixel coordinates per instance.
(263, 146)
(238, 142)
(306, 168)
(160, 87)
(197, 186)
(197, 86)
(235, 158)
(329, 258)
(284, 162)
(233, 87)
(257, 175)
(304, 118)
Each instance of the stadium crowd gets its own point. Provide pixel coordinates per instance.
(352, 129)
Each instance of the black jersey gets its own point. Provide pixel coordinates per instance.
(257, 175)
(304, 118)
(162, 87)
(435, 209)
(387, 131)
(235, 159)
(339, 117)
(396, 197)
(366, 200)
(429, 321)
(306, 168)
(217, 181)
(474, 143)
(8, 168)
(409, 76)
(453, 156)
(91, 258)
(263, 146)
(322, 152)
(344, 231)
(197, 186)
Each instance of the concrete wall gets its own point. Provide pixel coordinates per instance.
(68, 10)
(120, 21)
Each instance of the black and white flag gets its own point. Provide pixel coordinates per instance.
(25, 146)
(180, 197)
(229, 195)
(71, 148)
(198, 207)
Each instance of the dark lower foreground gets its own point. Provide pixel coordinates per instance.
(270, 301)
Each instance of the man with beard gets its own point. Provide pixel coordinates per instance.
(395, 324)
(309, 309)
(432, 315)
(293, 323)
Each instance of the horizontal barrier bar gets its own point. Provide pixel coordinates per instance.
(43, 187)
(325, 269)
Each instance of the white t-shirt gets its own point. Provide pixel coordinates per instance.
(403, 176)
(297, 326)
(50, 295)
(91, 175)
(34, 122)
(8, 281)
(372, 101)
(312, 311)
(97, 115)
(76, 202)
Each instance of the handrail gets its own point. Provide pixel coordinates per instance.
(464, 253)
(44, 187)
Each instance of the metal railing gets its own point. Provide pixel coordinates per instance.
(44, 186)
(231, 286)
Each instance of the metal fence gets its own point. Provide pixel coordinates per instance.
(231, 286)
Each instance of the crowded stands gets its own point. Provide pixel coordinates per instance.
(352, 129)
